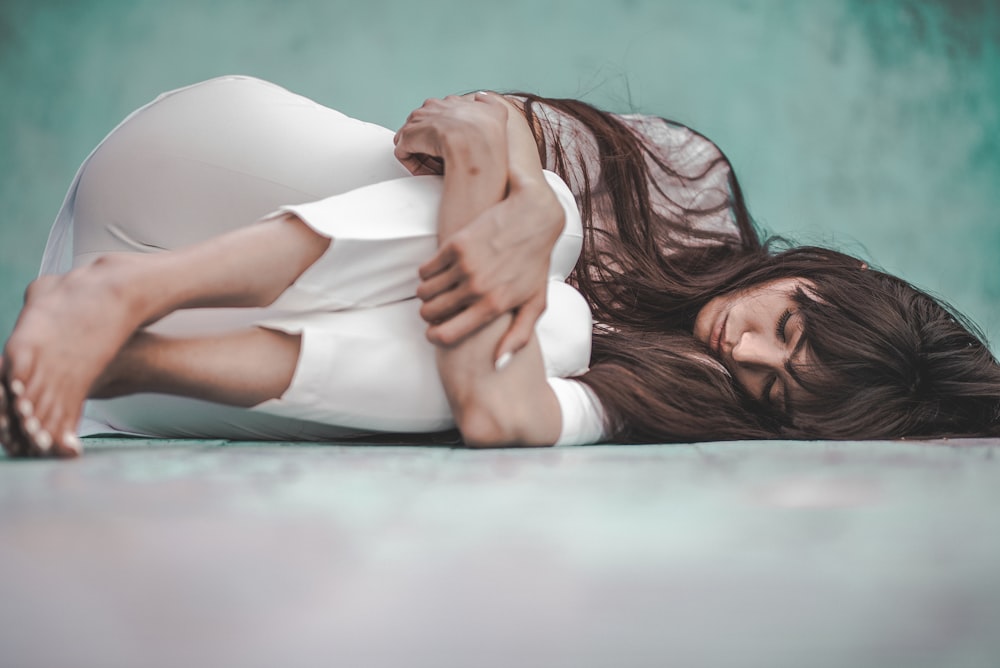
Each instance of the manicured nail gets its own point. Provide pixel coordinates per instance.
(43, 440)
(72, 442)
(32, 425)
(25, 407)
(17, 387)
(503, 361)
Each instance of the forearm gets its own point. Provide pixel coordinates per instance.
(526, 167)
(499, 260)
(513, 405)
(488, 151)
(475, 179)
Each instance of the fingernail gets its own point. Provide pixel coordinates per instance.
(17, 387)
(72, 442)
(43, 440)
(25, 407)
(503, 361)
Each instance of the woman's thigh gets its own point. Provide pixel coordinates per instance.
(215, 156)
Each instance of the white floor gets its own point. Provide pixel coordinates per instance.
(717, 555)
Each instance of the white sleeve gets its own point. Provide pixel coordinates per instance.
(582, 413)
(381, 235)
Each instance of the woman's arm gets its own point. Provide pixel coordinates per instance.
(512, 405)
(498, 262)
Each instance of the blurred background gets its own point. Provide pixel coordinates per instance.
(872, 126)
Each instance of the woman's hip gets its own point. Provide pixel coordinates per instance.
(218, 155)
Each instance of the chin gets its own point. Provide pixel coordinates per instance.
(699, 327)
(703, 321)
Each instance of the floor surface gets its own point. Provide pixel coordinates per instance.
(768, 554)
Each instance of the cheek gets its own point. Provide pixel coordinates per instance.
(744, 380)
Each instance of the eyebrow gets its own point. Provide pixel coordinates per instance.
(792, 373)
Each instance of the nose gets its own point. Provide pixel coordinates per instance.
(756, 351)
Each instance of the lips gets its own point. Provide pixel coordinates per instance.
(715, 343)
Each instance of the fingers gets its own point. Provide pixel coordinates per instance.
(521, 329)
(443, 259)
(468, 322)
(419, 164)
(493, 99)
(417, 147)
(429, 165)
(453, 290)
(436, 284)
(420, 142)
(445, 306)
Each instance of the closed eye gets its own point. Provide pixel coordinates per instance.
(765, 395)
(779, 330)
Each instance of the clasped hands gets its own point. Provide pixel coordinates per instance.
(499, 261)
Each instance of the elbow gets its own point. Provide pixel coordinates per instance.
(496, 424)
(483, 428)
(486, 426)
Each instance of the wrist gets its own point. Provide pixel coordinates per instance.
(546, 204)
(474, 146)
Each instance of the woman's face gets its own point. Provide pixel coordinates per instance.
(757, 333)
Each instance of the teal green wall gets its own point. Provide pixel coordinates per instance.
(871, 125)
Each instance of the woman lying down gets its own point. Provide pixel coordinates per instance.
(236, 261)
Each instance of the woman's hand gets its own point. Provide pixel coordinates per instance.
(497, 263)
(491, 408)
(454, 127)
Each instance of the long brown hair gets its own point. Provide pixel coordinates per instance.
(890, 360)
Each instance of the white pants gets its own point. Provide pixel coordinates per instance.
(219, 155)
